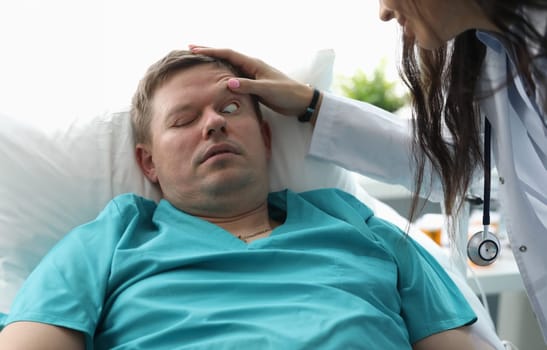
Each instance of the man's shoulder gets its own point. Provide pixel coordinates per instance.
(335, 201)
(335, 194)
(122, 215)
(129, 198)
(339, 201)
(126, 206)
(324, 192)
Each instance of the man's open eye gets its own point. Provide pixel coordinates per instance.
(231, 108)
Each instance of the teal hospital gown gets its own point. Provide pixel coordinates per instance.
(333, 276)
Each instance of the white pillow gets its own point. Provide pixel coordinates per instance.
(56, 180)
(290, 166)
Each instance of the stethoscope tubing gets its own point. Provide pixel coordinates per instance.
(487, 176)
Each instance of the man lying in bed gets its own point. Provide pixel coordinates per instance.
(221, 263)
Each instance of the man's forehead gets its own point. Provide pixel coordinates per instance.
(203, 75)
(185, 87)
(203, 72)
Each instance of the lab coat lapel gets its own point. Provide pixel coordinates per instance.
(525, 230)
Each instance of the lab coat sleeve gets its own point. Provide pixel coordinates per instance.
(366, 139)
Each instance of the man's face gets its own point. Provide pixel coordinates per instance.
(206, 141)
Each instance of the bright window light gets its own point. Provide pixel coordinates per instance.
(63, 59)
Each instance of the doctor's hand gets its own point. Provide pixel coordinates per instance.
(274, 89)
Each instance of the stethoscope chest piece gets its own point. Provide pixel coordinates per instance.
(483, 249)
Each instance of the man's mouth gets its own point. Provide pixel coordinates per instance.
(216, 150)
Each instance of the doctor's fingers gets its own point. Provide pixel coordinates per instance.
(274, 89)
(253, 68)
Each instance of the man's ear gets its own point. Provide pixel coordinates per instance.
(145, 161)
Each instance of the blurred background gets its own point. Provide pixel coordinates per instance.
(67, 57)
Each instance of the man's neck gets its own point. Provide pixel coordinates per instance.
(248, 225)
(242, 213)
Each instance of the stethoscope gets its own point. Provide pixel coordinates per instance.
(483, 247)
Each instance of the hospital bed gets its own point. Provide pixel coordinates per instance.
(54, 180)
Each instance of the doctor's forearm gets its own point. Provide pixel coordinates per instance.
(368, 140)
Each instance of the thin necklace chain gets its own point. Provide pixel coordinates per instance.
(264, 230)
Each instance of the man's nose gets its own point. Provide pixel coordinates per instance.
(214, 123)
(385, 13)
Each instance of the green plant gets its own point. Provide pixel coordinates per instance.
(376, 90)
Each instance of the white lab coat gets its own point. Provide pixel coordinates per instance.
(365, 139)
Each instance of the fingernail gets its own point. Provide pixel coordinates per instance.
(233, 83)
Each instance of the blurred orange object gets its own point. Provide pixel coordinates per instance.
(433, 234)
(432, 225)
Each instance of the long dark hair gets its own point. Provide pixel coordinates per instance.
(443, 84)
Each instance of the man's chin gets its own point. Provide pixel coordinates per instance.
(226, 181)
